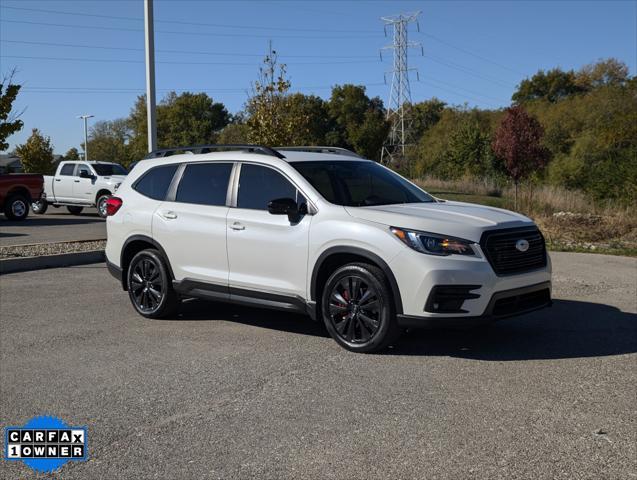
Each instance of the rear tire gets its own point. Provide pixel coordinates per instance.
(75, 210)
(39, 207)
(16, 207)
(358, 308)
(150, 286)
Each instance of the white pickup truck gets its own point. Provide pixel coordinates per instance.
(80, 184)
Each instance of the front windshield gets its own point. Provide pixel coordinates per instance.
(359, 183)
(108, 169)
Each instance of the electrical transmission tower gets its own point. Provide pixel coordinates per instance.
(400, 94)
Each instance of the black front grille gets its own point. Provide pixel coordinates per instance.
(499, 246)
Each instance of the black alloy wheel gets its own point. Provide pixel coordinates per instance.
(150, 287)
(357, 308)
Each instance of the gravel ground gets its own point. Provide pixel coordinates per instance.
(39, 249)
(233, 393)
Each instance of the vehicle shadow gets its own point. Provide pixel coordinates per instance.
(569, 329)
(200, 310)
(8, 235)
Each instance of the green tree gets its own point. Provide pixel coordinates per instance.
(9, 123)
(36, 154)
(72, 154)
(182, 120)
(268, 120)
(108, 142)
(602, 73)
(234, 133)
(311, 118)
(425, 115)
(553, 85)
(360, 121)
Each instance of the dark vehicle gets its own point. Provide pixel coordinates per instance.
(17, 192)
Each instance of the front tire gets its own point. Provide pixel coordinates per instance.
(16, 207)
(358, 309)
(150, 285)
(75, 210)
(39, 207)
(101, 205)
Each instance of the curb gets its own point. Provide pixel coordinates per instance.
(24, 264)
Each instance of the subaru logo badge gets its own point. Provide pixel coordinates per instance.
(522, 245)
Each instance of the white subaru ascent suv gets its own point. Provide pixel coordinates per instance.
(321, 231)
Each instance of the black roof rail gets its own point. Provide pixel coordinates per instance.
(313, 149)
(198, 149)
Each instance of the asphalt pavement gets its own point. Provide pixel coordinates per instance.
(56, 225)
(229, 392)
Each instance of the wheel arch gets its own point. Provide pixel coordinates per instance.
(102, 191)
(135, 244)
(19, 190)
(335, 257)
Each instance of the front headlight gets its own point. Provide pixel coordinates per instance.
(432, 243)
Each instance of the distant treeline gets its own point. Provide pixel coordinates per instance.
(588, 123)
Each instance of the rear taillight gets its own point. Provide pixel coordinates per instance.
(113, 204)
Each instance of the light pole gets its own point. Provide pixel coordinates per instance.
(85, 118)
(150, 74)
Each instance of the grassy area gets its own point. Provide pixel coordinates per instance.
(568, 219)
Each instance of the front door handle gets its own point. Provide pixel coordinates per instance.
(237, 226)
(76, 181)
(169, 215)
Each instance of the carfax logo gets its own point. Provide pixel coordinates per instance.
(45, 443)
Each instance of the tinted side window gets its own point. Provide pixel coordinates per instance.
(155, 182)
(67, 169)
(259, 185)
(204, 184)
(83, 166)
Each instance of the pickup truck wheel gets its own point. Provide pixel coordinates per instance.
(39, 207)
(357, 308)
(16, 207)
(75, 210)
(150, 285)
(101, 205)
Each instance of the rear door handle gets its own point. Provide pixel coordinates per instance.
(237, 226)
(76, 181)
(169, 215)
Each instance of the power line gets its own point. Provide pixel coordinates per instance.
(189, 52)
(205, 34)
(108, 60)
(182, 22)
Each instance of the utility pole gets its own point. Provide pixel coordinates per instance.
(400, 93)
(85, 118)
(150, 74)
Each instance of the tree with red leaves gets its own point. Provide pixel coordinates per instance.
(518, 143)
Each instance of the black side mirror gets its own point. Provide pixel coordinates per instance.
(85, 174)
(284, 206)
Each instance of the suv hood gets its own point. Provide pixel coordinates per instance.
(456, 219)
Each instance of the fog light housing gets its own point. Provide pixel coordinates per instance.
(449, 298)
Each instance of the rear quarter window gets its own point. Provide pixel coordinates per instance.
(155, 182)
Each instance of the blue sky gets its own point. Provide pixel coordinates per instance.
(89, 58)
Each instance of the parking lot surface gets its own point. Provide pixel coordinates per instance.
(229, 392)
(56, 225)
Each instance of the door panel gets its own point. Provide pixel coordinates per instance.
(266, 252)
(83, 187)
(63, 184)
(191, 227)
(194, 238)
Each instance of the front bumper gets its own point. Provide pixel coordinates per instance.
(417, 275)
(503, 304)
